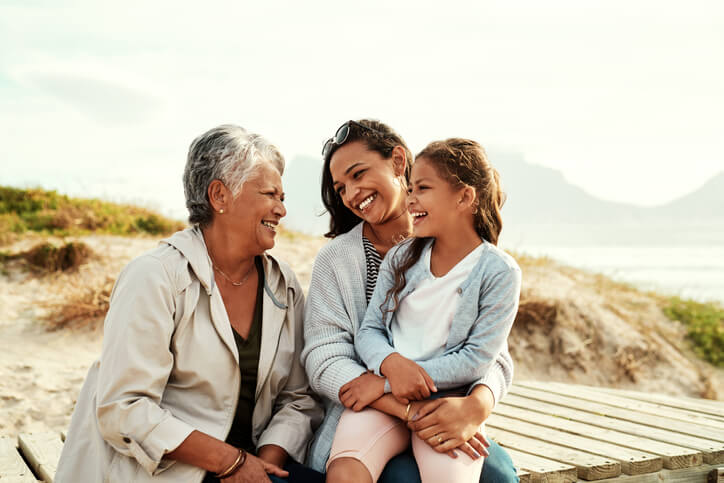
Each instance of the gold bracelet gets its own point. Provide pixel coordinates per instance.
(234, 466)
(407, 412)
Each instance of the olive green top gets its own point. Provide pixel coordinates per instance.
(249, 349)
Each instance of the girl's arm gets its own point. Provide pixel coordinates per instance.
(497, 307)
(407, 380)
(373, 339)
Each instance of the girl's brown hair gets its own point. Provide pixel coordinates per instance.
(461, 162)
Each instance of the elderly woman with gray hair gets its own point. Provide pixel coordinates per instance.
(199, 378)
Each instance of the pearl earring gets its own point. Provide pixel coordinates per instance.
(221, 211)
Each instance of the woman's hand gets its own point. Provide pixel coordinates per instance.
(408, 381)
(455, 421)
(362, 391)
(255, 470)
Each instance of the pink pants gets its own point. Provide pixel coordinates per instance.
(373, 438)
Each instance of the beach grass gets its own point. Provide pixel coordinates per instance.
(705, 326)
(50, 213)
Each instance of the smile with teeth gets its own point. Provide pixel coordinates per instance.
(418, 216)
(272, 225)
(366, 202)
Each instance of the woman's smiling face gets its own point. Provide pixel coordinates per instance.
(368, 184)
(256, 211)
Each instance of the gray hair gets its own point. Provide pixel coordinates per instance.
(230, 154)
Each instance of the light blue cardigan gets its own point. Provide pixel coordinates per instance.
(334, 310)
(479, 332)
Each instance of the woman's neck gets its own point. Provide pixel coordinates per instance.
(390, 233)
(227, 252)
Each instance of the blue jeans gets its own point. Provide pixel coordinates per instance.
(298, 474)
(498, 468)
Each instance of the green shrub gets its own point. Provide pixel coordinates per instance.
(48, 212)
(705, 326)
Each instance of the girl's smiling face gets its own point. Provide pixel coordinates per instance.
(367, 183)
(435, 205)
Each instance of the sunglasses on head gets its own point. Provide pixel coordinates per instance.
(340, 137)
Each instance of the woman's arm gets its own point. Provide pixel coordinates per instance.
(135, 365)
(213, 455)
(297, 413)
(329, 355)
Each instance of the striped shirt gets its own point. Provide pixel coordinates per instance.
(373, 260)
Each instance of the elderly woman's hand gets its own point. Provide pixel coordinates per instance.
(255, 470)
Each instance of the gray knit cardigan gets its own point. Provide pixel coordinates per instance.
(335, 308)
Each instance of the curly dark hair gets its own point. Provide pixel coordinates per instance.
(378, 137)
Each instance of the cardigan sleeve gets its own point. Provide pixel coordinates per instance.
(497, 307)
(329, 355)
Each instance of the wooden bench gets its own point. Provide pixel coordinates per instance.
(555, 433)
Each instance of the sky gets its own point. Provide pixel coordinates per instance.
(625, 98)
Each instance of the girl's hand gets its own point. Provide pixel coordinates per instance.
(408, 381)
(255, 470)
(362, 391)
(456, 421)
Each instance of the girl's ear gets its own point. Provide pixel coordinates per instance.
(468, 197)
(399, 160)
(219, 196)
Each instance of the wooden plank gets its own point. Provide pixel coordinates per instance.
(542, 470)
(588, 466)
(712, 452)
(589, 394)
(12, 466)
(523, 476)
(672, 456)
(622, 414)
(699, 405)
(42, 450)
(695, 474)
(712, 408)
(633, 462)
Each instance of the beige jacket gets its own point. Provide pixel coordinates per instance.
(169, 365)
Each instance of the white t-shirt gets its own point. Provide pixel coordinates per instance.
(422, 321)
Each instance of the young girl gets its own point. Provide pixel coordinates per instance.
(439, 316)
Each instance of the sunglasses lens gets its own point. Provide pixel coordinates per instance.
(327, 147)
(342, 134)
(339, 138)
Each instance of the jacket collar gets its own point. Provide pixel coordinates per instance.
(190, 243)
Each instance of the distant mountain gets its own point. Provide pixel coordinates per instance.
(706, 203)
(536, 195)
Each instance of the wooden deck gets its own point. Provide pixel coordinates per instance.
(554, 433)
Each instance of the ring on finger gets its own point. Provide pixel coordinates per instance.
(439, 439)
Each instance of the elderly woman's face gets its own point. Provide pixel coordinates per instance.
(259, 207)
